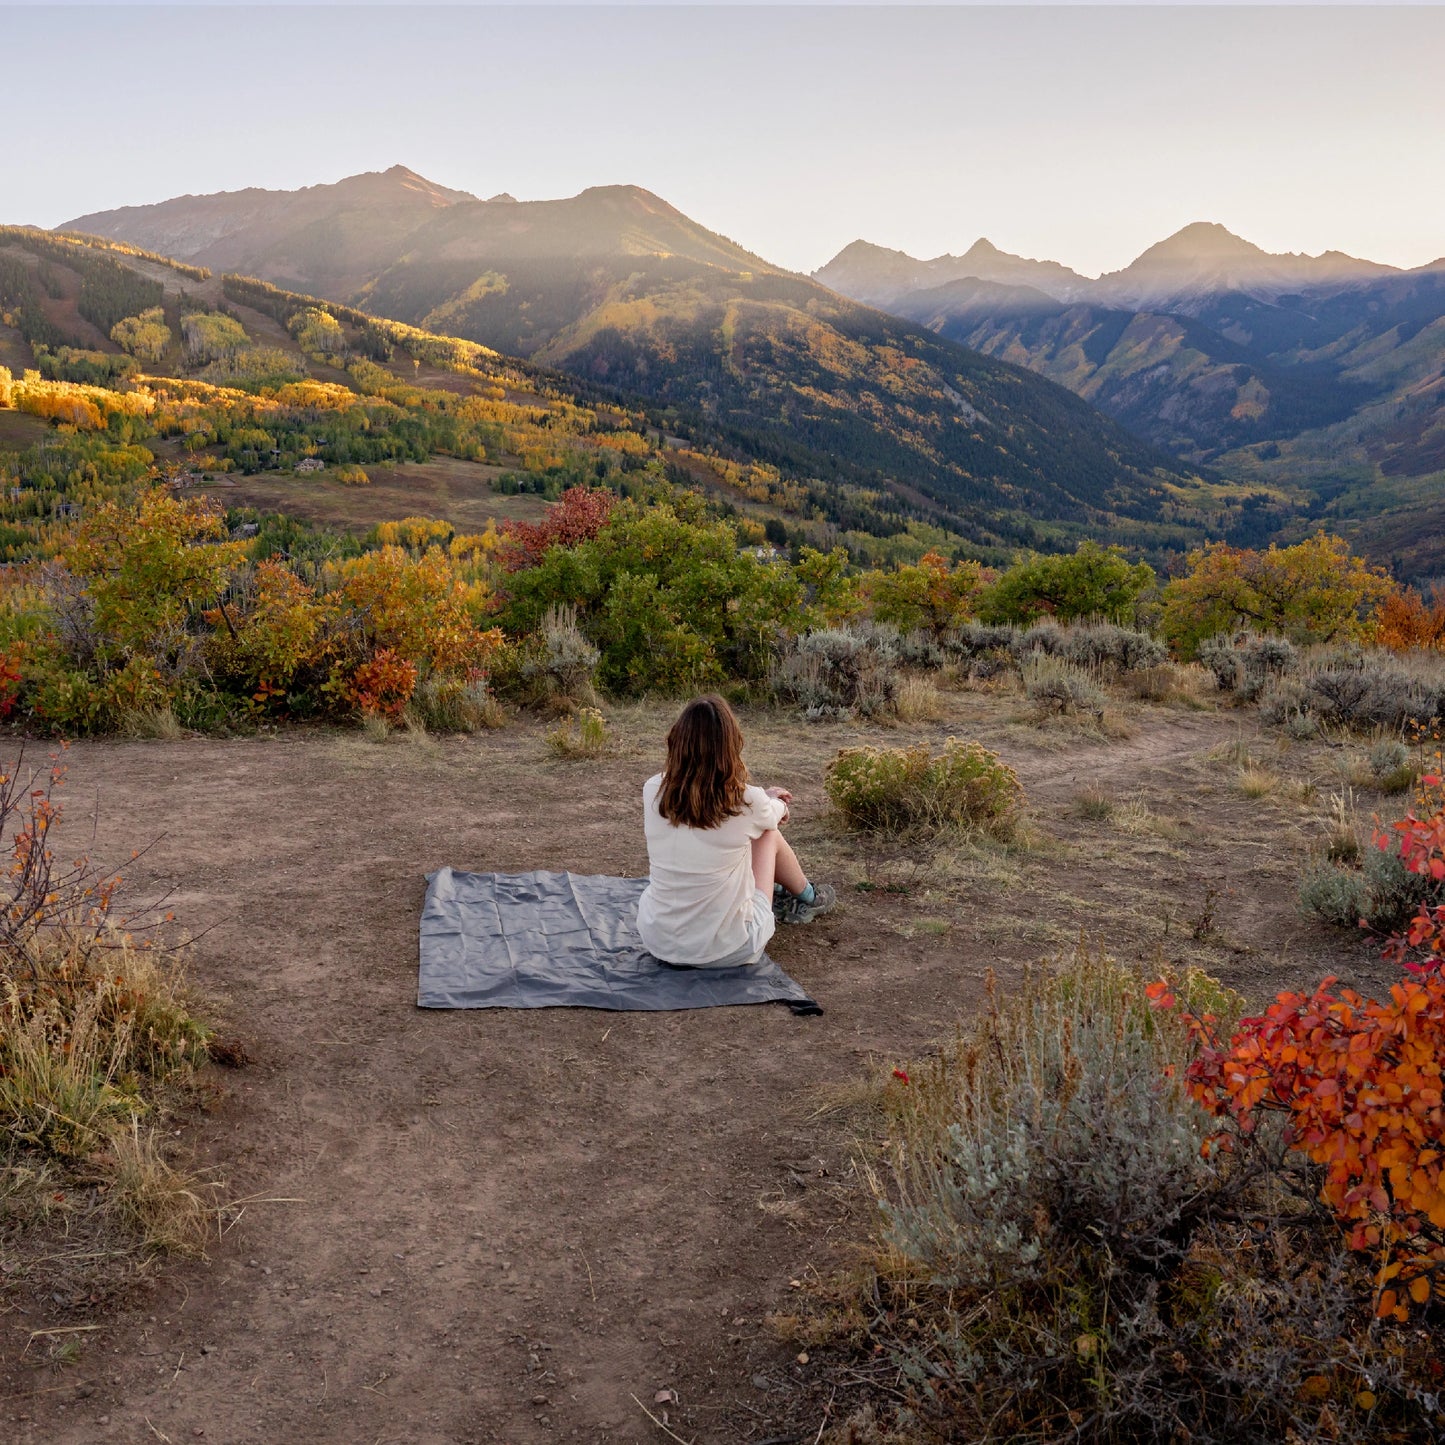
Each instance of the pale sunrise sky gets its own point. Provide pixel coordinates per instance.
(1082, 134)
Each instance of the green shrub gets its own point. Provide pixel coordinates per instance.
(670, 601)
(1095, 582)
(1390, 767)
(983, 650)
(902, 789)
(1397, 894)
(1382, 893)
(1388, 756)
(1360, 691)
(1245, 664)
(1335, 895)
(1119, 649)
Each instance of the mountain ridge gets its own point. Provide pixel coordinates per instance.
(1202, 256)
(617, 287)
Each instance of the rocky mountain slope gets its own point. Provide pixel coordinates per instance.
(1324, 373)
(618, 287)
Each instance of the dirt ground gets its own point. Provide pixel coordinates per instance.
(521, 1226)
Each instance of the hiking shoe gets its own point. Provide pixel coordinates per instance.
(792, 909)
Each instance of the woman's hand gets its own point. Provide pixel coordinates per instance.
(784, 797)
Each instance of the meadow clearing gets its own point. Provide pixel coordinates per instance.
(526, 1226)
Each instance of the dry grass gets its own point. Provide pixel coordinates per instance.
(983, 859)
(58, 1075)
(1094, 803)
(1342, 834)
(1171, 683)
(862, 1095)
(1255, 781)
(917, 700)
(168, 1208)
(788, 1208)
(1137, 819)
(153, 723)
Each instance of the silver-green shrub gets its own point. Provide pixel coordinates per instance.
(1382, 892)
(836, 672)
(1058, 686)
(1104, 645)
(1388, 756)
(1060, 1124)
(1335, 895)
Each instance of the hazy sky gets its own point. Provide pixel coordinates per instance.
(1080, 134)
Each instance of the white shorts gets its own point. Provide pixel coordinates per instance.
(761, 927)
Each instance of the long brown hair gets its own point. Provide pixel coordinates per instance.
(705, 775)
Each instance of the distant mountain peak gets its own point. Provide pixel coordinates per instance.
(1202, 241)
(881, 276)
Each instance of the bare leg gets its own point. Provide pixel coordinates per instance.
(775, 862)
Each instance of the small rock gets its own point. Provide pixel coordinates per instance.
(539, 1399)
(208, 1349)
(803, 1358)
(761, 1382)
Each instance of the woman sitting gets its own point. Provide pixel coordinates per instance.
(722, 874)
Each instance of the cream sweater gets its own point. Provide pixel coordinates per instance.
(697, 906)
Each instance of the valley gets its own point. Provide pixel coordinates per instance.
(1323, 376)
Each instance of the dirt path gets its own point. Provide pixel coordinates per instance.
(503, 1226)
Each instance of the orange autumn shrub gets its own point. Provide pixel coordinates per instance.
(419, 608)
(1405, 622)
(383, 684)
(1421, 847)
(1361, 1086)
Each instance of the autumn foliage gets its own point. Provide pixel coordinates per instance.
(1407, 623)
(931, 595)
(1316, 591)
(1360, 1085)
(578, 516)
(382, 685)
(1421, 846)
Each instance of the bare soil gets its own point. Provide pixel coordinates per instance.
(520, 1226)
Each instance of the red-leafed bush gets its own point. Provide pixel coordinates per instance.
(578, 515)
(383, 684)
(1360, 1086)
(1421, 844)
